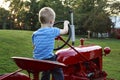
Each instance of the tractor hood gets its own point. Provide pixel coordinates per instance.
(70, 56)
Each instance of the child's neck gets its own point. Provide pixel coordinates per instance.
(46, 25)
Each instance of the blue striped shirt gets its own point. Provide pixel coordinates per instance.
(43, 41)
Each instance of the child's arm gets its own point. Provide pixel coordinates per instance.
(65, 28)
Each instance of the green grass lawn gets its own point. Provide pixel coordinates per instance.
(18, 43)
(13, 43)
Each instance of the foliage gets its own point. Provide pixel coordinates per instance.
(23, 14)
(102, 23)
(26, 12)
(4, 15)
(93, 16)
(114, 8)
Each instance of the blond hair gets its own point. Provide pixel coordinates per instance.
(46, 14)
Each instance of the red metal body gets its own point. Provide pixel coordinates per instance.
(36, 66)
(31, 66)
(17, 75)
(83, 62)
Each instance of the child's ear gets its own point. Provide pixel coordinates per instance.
(52, 22)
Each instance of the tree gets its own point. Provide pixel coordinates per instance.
(88, 13)
(17, 11)
(83, 15)
(32, 14)
(92, 16)
(102, 23)
(4, 18)
(62, 12)
(26, 12)
(114, 8)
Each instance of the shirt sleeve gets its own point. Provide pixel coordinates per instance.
(56, 31)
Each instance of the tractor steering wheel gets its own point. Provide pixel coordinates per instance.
(60, 25)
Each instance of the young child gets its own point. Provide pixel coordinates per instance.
(43, 41)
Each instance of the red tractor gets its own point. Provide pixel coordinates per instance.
(78, 63)
(83, 62)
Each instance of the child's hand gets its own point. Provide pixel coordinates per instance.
(65, 28)
(66, 22)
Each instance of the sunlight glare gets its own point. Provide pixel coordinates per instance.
(4, 4)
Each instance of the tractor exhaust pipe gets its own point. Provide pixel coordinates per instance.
(72, 28)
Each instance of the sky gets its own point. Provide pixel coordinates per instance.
(4, 4)
(116, 21)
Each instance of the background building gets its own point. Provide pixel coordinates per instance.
(116, 27)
